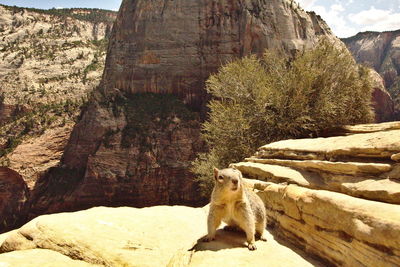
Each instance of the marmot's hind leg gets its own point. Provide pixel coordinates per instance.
(260, 230)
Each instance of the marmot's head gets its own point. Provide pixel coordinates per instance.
(230, 179)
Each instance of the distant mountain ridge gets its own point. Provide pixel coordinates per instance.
(381, 51)
(94, 15)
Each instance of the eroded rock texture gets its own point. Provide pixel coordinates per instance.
(381, 51)
(338, 197)
(13, 196)
(382, 101)
(166, 46)
(162, 48)
(137, 153)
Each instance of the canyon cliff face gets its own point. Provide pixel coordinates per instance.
(382, 101)
(51, 60)
(158, 49)
(381, 51)
(172, 46)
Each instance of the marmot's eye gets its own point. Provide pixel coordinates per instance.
(221, 177)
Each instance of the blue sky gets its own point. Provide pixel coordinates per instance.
(104, 4)
(346, 18)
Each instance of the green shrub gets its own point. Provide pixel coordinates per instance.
(258, 101)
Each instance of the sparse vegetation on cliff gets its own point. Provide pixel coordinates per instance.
(257, 101)
(93, 15)
(51, 60)
(35, 122)
(148, 110)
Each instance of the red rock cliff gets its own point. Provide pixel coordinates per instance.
(165, 46)
(134, 149)
(381, 51)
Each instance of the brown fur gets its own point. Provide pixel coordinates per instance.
(235, 205)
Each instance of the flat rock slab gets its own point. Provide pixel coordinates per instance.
(156, 236)
(39, 257)
(271, 173)
(385, 190)
(114, 236)
(373, 127)
(228, 250)
(395, 157)
(349, 168)
(367, 145)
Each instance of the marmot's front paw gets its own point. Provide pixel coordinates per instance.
(208, 238)
(263, 238)
(252, 246)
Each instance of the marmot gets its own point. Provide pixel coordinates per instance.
(235, 205)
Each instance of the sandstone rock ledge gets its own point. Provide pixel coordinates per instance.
(363, 165)
(337, 197)
(156, 236)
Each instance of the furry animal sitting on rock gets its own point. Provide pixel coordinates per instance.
(235, 205)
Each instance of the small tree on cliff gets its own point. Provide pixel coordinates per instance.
(257, 101)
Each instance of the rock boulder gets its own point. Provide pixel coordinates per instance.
(13, 199)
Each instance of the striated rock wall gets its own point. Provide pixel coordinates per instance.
(165, 46)
(139, 155)
(48, 58)
(337, 198)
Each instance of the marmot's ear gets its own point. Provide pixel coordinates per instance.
(216, 173)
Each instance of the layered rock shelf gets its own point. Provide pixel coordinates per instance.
(337, 197)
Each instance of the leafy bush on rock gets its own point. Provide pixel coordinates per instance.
(256, 101)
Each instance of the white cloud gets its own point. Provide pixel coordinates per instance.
(335, 19)
(306, 4)
(376, 20)
(337, 8)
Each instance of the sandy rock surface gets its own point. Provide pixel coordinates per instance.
(156, 236)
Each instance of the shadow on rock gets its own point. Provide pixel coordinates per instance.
(223, 240)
